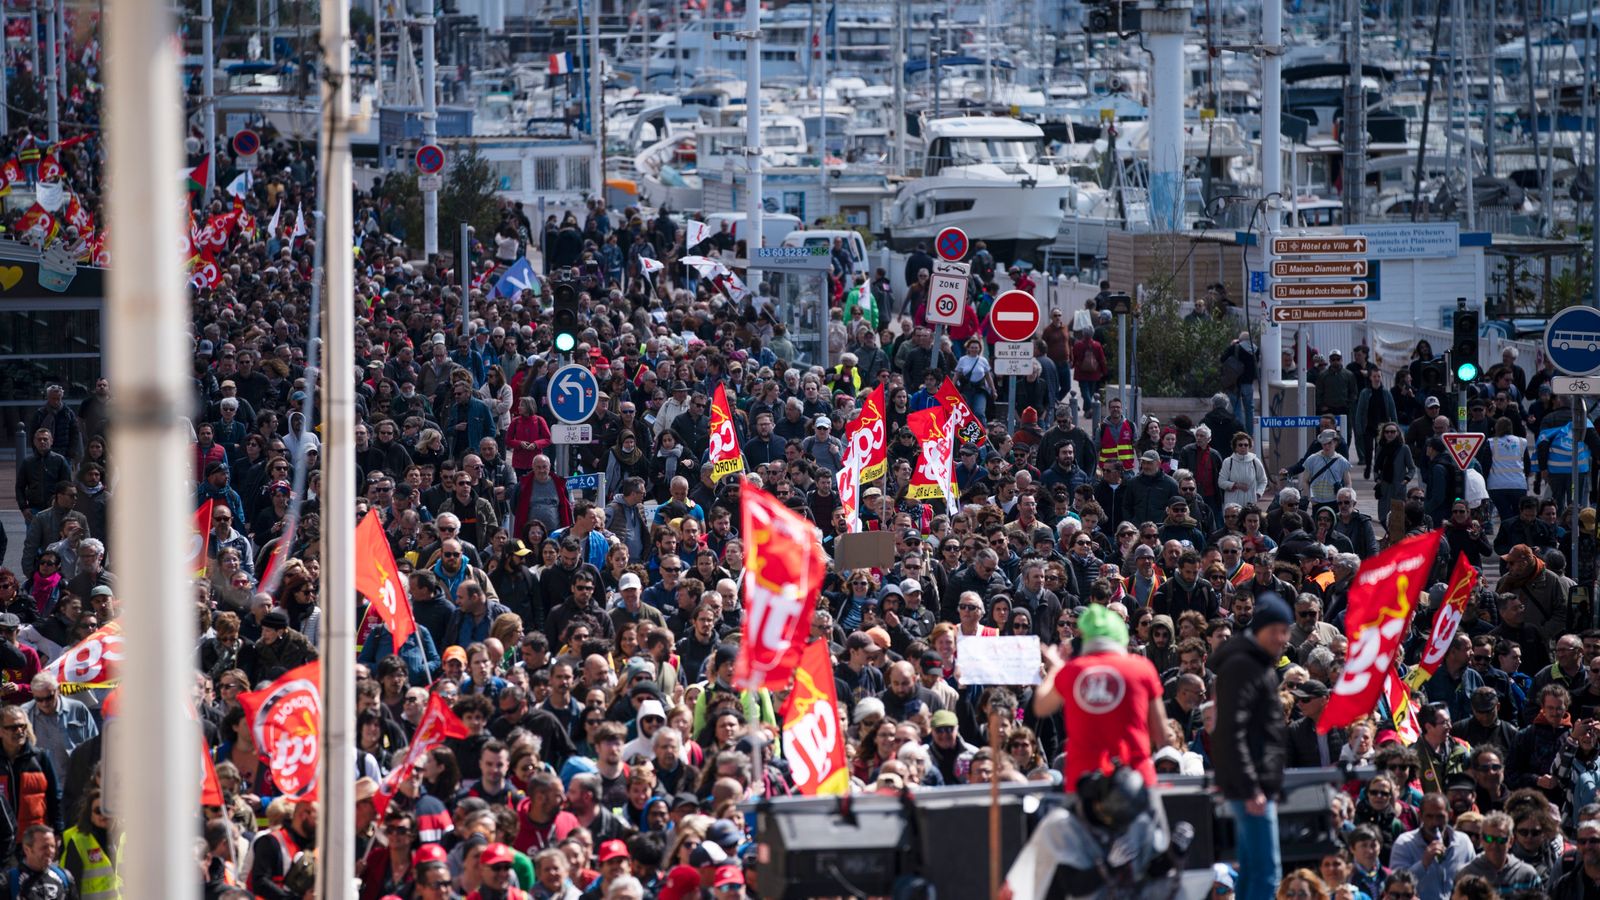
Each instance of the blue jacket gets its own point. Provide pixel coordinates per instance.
(418, 653)
(480, 422)
(227, 495)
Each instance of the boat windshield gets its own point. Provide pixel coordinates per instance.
(782, 136)
(996, 150)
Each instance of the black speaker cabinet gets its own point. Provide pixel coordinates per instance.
(952, 837)
(815, 851)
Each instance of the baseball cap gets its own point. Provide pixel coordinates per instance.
(1328, 434)
(495, 854)
(932, 661)
(518, 548)
(822, 422)
(613, 849)
(1143, 551)
(724, 835)
(429, 853)
(727, 875)
(684, 798)
(909, 585)
(944, 718)
(709, 853)
(628, 580)
(285, 487)
(1485, 699)
(277, 619)
(451, 652)
(1310, 689)
(681, 883)
(1151, 456)
(1431, 401)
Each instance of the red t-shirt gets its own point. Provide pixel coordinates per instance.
(1107, 699)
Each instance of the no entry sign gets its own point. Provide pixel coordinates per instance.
(1015, 316)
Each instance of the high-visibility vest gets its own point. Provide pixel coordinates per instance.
(1117, 443)
(101, 880)
(1560, 459)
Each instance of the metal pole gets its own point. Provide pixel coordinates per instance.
(336, 779)
(1302, 355)
(597, 123)
(1579, 420)
(63, 50)
(1164, 28)
(430, 134)
(377, 52)
(5, 88)
(146, 319)
(936, 52)
(644, 64)
(1122, 360)
(52, 99)
(898, 132)
(1271, 108)
(1011, 404)
(33, 35)
(822, 111)
(1355, 120)
(464, 266)
(208, 51)
(752, 139)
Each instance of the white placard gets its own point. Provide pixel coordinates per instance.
(1013, 357)
(947, 299)
(430, 182)
(1579, 385)
(1006, 659)
(571, 434)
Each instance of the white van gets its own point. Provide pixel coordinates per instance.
(774, 226)
(825, 237)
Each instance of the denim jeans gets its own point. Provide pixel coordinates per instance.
(1260, 866)
(1244, 406)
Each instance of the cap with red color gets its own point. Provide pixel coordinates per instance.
(613, 849)
(727, 875)
(429, 853)
(495, 854)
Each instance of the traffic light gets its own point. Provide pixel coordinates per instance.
(564, 323)
(1430, 377)
(1464, 346)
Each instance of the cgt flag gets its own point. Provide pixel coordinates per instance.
(866, 441)
(966, 425)
(200, 539)
(725, 455)
(1381, 603)
(285, 720)
(378, 579)
(94, 662)
(934, 478)
(1402, 712)
(437, 723)
(1463, 578)
(784, 566)
(813, 742)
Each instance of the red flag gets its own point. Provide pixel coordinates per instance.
(935, 476)
(866, 438)
(285, 721)
(1381, 602)
(813, 742)
(210, 787)
(204, 272)
(724, 456)
(38, 217)
(50, 168)
(199, 540)
(437, 723)
(966, 425)
(1401, 710)
(1445, 622)
(12, 170)
(95, 661)
(784, 567)
(378, 578)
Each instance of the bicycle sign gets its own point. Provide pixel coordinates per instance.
(1579, 386)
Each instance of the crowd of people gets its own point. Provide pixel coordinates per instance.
(587, 639)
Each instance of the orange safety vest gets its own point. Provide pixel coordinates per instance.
(1117, 444)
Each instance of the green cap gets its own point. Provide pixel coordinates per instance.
(1099, 623)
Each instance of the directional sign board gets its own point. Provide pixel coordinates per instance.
(1462, 446)
(1290, 421)
(430, 159)
(573, 394)
(1572, 340)
(1329, 245)
(1575, 386)
(586, 482)
(1015, 316)
(951, 244)
(1319, 314)
(1013, 357)
(1320, 290)
(947, 293)
(1319, 268)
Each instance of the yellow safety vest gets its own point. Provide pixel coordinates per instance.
(1116, 443)
(101, 880)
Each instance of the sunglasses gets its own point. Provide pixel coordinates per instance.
(969, 607)
(1530, 832)
(1494, 838)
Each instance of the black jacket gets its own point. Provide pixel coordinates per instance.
(1303, 754)
(1250, 746)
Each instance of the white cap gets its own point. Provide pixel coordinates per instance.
(628, 580)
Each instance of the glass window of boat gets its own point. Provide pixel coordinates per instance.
(967, 151)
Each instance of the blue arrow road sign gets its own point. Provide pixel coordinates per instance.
(573, 394)
(1290, 421)
(1572, 340)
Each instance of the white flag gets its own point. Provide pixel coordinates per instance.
(650, 266)
(241, 184)
(695, 233)
(272, 226)
(299, 224)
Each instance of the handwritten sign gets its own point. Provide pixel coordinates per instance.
(998, 660)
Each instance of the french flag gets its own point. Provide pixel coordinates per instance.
(560, 63)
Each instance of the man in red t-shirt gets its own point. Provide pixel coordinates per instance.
(1111, 700)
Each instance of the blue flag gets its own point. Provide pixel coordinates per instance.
(520, 277)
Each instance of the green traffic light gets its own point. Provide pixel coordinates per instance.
(1467, 371)
(565, 341)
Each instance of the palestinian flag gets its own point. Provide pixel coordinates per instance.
(197, 176)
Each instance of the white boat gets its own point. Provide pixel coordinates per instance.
(989, 177)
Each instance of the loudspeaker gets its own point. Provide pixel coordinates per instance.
(952, 839)
(1305, 826)
(1196, 808)
(819, 852)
